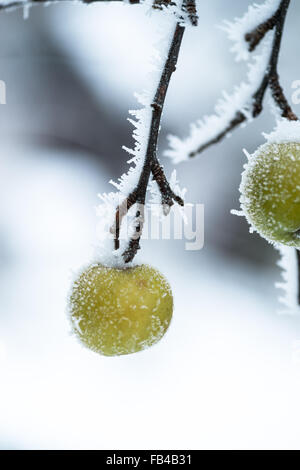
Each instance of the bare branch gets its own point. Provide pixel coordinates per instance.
(151, 163)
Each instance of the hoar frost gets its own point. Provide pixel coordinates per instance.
(141, 120)
(237, 29)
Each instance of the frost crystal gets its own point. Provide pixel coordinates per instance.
(237, 29)
(285, 131)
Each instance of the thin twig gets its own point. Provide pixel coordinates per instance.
(236, 121)
(258, 33)
(151, 163)
(270, 78)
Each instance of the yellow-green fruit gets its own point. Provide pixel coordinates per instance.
(270, 191)
(120, 311)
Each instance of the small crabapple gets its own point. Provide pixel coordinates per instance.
(270, 192)
(120, 311)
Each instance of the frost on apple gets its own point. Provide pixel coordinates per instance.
(270, 200)
(270, 192)
(270, 189)
(120, 311)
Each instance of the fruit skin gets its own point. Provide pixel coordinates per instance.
(270, 191)
(120, 311)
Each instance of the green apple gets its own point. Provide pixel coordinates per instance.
(270, 192)
(120, 311)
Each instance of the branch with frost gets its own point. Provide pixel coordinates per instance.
(247, 101)
(146, 172)
(148, 165)
(188, 8)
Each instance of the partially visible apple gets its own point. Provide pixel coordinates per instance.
(270, 192)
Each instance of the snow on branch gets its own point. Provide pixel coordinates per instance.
(247, 100)
(123, 210)
(231, 110)
(256, 22)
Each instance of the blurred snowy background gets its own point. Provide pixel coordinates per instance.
(227, 374)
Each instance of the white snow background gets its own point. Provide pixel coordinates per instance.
(227, 374)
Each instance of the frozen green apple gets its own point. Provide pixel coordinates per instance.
(270, 192)
(120, 311)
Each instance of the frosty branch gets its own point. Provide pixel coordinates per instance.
(270, 78)
(246, 102)
(151, 163)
